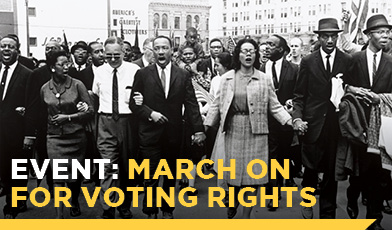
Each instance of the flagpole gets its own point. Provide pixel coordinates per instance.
(109, 18)
(27, 28)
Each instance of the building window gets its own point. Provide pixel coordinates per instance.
(114, 22)
(197, 21)
(188, 21)
(32, 12)
(177, 23)
(224, 18)
(164, 21)
(224, 31)
(156, 20)
(224, 4)
(207, 24)
(33, 41)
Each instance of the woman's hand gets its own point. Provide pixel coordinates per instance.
(59, 119)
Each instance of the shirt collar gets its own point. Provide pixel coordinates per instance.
(168, 67)
(13, 66)
(324, 54)
(370, 53)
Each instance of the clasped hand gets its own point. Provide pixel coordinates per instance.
(198, 138)
(365, 95)
(300, 126)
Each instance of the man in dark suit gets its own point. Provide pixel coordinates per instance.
(208, 64)
(284, 75)
(165, 89)
(14, 143)
(371, 75)
(79, 53)
(148, 54)
(315, 114)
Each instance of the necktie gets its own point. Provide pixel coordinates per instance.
(3, 80)
(274, 76)
(79, 68)
(115, 114)
(163, 80)
(328, 65)
(374, 67)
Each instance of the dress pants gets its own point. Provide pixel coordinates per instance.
(327, 145)
(165, 147)
(114, 142)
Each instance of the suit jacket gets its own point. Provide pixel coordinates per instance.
(181, 93)
(12, 125)
(313, 91)
(287, 80)
(87, 77)
(139, 62)
(359, 75)
(206, 64)
(261, 99)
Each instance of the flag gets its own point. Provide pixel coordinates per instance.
(231, 45)
(66, 48)
(136, 37)
(122, 31)
(358, 14)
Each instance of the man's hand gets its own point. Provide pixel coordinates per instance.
(138, 97)
(371, 98)
(300, 126)
(158, 117)
(28, 143)
(198, 138)
(82, 106)
(365, 95)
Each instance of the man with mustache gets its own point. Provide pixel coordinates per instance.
(14, 142)
(315, 114)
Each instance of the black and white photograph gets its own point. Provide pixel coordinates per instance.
(196, 109)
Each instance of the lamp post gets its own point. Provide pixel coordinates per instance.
(27, 29)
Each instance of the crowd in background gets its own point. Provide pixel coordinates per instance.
(322, 110)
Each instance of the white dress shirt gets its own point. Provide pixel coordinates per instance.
(331, 58)
(167, 74)
(278, 68)
(9, 75)
(103, 86)
(369, 58)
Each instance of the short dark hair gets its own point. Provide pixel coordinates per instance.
(225, 59)
(216, 40)
(13, 37)
(190, 29)
(53, 55)
(237, 50)
(127, 42)
(165, 37)
(89, 47)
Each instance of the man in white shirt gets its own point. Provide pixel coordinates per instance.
(112, 84)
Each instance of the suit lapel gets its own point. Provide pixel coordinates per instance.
(14, 77)
(380, 70)
(336, 63)
(155, 76)
(320, 63)
(173, 77)
(364, 67)
(283, 72)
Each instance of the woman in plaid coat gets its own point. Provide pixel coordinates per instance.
(241, 108)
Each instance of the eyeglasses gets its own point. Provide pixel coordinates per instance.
(381, 32)
(112, 56)
(65, 64)
(216, 47)
(246, 51)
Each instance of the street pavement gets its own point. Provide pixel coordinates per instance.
(200, 211)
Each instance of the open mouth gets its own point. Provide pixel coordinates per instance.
(248, 59)
(6, 56)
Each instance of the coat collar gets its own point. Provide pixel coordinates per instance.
(67, 85)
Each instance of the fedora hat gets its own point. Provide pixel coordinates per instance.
(375, 21)
(79, 44)
(328, 25)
